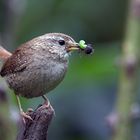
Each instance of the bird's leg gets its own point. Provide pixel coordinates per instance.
(44, 97)
(23, 114)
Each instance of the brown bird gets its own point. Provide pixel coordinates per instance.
(37, 66)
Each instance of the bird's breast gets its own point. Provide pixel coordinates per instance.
(47, 76)
(38, 78)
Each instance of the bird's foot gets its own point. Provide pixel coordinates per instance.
(48, 105)
(25, 116)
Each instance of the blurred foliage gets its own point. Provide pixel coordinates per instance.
(93, 20)
(87, 93)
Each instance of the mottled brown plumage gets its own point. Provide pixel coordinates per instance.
(39, 65)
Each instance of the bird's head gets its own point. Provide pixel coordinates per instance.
(61, 45)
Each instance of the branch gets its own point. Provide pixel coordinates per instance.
(7, 126)
(129, 72)
(38, 128)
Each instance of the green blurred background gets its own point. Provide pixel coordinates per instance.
(87, 95)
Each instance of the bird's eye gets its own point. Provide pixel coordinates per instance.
(61, 42)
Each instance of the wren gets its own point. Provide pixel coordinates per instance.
(37, 66)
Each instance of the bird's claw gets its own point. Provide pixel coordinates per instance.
(25, 116)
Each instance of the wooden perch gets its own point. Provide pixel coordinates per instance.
(38, 128)
(7, 126)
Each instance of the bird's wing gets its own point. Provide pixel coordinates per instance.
(16, 63)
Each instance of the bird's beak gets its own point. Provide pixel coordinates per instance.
(72, 46)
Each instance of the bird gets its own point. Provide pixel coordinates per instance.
(37, 66)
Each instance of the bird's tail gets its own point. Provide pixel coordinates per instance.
(4, 54)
